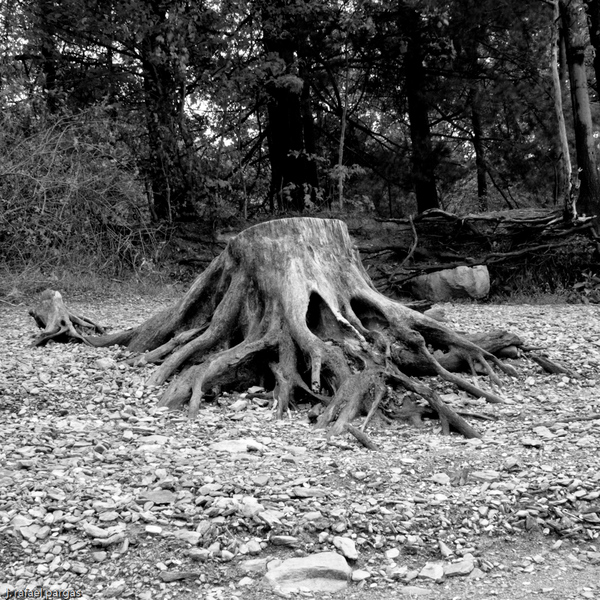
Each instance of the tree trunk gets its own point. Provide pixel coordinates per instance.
(594, 16)
(289, 305)
(294, 176)
(575, 27)
(170, 165)
(482, 190)
(564, 171)
(423, 160)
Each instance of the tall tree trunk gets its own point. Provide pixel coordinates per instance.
(294, 176)
(564, 171)
(575, 28)
(170, 173)
(423, 161)
(593, 10)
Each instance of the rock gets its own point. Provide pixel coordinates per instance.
(433, 571)
(105, 363)
(462, 567)
(360, 575)
(441, 478)
(254, 565)
(115, 589)
(158, 496)
(444, 549)
(199, 554)
(254, 547)
(238, 446)
(346, 546)
(192, 537)
(153, 529)
(285, 540)
(239, 405)
(392, 553)
(169, 576)
(323, 572)
(461, 282)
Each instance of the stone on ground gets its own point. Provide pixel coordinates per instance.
(461, 282)
(323, 572)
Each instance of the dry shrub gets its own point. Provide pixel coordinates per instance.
(71, 199)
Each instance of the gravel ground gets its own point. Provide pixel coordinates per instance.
(104, 495)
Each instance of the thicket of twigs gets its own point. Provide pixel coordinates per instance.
(71, 198)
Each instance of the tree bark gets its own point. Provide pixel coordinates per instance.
(593, 10)
(294, 176)
(575, 28)
(423, 160)
(564, 170)
(289, 305)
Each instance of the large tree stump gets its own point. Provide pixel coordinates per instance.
(289, 305)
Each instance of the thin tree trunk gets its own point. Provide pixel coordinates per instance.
(340, 164)
(575, 27)
(563, 192)
(482, 189)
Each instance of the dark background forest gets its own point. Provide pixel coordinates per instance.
(125, 120)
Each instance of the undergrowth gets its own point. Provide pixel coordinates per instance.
(71, 202)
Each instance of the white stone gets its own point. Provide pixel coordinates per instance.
(323, 572)
(461, 282)
(433, 571)
(346, 546)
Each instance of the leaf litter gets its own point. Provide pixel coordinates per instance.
(104, 493)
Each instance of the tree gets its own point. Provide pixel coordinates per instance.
(423, 161)
(291, 138)
(576, 41)
(289, 305)
(563, 187)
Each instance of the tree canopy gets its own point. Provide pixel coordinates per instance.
(209, 111)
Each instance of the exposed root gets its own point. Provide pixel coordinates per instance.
(289, 305)
(57, 322)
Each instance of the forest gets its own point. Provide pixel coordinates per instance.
(123, 119)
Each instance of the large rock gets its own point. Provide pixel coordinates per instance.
(461, 282)
(323, 572)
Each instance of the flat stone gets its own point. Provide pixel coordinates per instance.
(285, 540)
(169, 576)
(238, 446)
(158, 496)
(433, 571)
(360, 575)
(322, 572)
(462, 567)
(254, 565)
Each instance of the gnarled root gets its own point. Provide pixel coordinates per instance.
(289, 306)
(58, 323)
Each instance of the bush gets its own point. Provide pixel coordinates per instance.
(70, 197)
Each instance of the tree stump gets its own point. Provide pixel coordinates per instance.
(289, 305)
